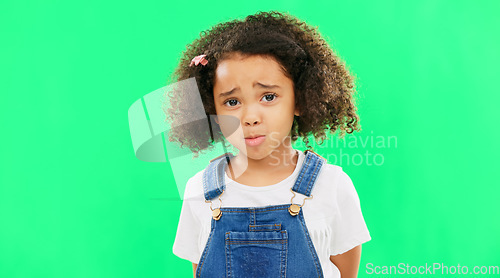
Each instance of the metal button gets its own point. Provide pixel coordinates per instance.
(216, 214)
(294, 209)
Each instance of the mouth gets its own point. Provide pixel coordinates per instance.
(255, 140)
(253, 136)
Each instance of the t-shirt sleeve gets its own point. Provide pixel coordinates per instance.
(349, 227)
(188, 232)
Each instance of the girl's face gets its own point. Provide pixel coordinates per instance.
(260, 100)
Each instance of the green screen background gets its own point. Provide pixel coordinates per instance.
(76, 202)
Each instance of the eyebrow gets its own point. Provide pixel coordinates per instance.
(222, 95)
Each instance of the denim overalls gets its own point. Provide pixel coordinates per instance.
(270, 241)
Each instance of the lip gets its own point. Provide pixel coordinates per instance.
(252, 136)
(253, 142)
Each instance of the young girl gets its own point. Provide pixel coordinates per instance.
(270, 210)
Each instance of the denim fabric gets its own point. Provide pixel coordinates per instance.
(259, 241)
(308, 173)
(213, 176)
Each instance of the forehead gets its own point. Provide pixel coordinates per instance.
(240, 69)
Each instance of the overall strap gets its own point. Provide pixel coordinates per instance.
(308, 173)
(214, 184)
(213, 176)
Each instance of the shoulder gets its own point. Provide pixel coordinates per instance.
(194, 187)
(330, 174)
(334, 180)
(330, 170)
(324, 204)
(194, 199)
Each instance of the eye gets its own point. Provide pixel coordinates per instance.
(231, 101)
(270, 97)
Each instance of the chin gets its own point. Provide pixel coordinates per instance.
(256, 154)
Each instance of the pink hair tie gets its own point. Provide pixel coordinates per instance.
(200, 59)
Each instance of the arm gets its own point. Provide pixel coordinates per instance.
(348, 262)
(194, 269)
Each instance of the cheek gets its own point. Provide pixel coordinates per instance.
(284, 112)
(280, 123)
(230, 127)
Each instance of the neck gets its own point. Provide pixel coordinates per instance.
(281, 159)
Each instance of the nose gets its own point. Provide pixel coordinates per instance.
(252, 123)
(251, 117)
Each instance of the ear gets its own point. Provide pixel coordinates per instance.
(297, 112)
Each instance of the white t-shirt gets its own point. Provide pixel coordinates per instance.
(333, 216)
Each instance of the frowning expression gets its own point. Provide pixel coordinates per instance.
(255, 91)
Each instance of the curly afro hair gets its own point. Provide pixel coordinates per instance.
(324, 89)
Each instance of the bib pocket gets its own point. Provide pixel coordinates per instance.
(256, 254)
